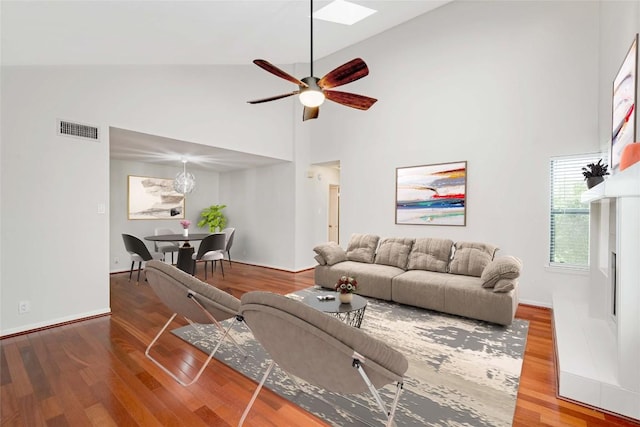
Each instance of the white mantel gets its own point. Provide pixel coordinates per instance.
(599, 354)
(623, 184)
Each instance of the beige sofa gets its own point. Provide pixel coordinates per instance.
(464, 278)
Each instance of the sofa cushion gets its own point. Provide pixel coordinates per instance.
(430, 254)
(505, 285)
(420, 288)
(331, 253)
(394, 251)
(470, 258)
(374, 280)
(506, 267)
(362, 248)
(472, 300)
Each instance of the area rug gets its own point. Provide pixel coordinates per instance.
(462, 372)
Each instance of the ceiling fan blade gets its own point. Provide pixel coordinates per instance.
(346, 73)
(310, 113)
(352, 100)
(267, 66)
(273, 98)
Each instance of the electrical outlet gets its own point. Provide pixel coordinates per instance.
(24, 307)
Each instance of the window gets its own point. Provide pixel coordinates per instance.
(569, 218)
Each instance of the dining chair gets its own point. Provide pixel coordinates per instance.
(139, 253)
(321, 350)
(164, 247)
(211, 249)
(199, 303)
(229, 233)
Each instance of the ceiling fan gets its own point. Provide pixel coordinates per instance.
(312, 91)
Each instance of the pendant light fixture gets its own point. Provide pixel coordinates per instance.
(185, 182)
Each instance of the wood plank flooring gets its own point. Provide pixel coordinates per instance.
(95, 372)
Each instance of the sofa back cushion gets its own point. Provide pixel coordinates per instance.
(394, 251)
(430, 254)
(470, 258)
(362, 248)
(330, 253)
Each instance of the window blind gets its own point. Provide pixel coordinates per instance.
(569, 218)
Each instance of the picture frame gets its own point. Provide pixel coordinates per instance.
(153, 198)
(432, 194)
(624, 98)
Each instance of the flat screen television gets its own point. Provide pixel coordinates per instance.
(625, 85)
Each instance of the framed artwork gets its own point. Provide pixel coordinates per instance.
(623, 124)
(154, 198)
(432, 194)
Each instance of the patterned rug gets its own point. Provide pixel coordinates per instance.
(461, 372)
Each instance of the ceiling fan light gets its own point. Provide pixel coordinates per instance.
(311, 98)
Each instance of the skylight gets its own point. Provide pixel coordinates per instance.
(343, 12)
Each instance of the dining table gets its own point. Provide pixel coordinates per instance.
(185, 252)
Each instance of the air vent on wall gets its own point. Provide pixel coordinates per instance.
(78, 130)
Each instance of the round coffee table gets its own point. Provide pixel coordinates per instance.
(351, 314)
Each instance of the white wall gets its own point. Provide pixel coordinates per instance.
(502, 85)
(261, 206)
(204, 195)
(53, 185)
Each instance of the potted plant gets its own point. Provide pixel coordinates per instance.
(213, 218)
(345, 287)
(594, 173)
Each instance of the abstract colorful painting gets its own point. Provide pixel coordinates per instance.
(432, 194)
(154, 198)
(624, 106)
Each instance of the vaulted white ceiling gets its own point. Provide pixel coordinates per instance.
(145, 32)
(183, 32)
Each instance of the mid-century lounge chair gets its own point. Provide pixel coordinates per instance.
(139, 253)
(321, 349)
(210, 250)
(164, 247)
(198, 302)
(229, 232)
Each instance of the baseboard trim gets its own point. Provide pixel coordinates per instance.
(49, 325)
(535, 303)
(244, 263)
(275, 268)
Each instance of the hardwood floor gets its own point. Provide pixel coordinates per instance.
(95, 372)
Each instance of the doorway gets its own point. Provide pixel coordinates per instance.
(334, 213)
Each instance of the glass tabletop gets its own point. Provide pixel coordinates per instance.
(334, 305)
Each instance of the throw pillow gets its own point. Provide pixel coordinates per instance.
(505, 285)
(331, 252)
(320, 260)
(506, 267)
(430, 254)
(362, 247)
(394, 251)
(470, 258)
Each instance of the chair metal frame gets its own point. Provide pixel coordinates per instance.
(193, 297)
(357, 362)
